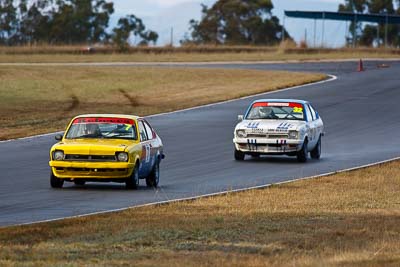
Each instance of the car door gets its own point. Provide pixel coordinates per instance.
(318, 122)
(146, 150)
(312, 128)
(154, 147)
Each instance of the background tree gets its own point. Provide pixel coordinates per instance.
(237, 22)
(367, 34)
(81, 21)
(34, 22)
(8, 22)
(66, 22)
(132, 26)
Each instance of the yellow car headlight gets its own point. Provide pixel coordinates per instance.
(122, 156)
(58, 155)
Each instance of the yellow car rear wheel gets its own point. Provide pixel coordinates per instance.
(154, 177)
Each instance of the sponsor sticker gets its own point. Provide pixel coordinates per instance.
(278, 104)
(104, 120)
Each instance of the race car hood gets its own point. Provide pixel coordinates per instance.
(93, 147)
(268, 126)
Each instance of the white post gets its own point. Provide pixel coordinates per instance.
(315, 33)
(323, 29)
(283, 28)
(386, 30)
(378, 37)
(172, 36)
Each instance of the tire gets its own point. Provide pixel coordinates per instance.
(316, 152)
(303, 153)
(133, 181)
(55, 182)
(154, 177)
(239, 155)
(79, 182)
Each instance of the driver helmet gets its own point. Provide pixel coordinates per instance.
(265, 111)
(92, 128)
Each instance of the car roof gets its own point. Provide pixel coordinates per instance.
(282, 101)
(122, 116)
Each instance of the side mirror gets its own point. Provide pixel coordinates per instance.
(58, 137)
(240, 117)
(317, 114)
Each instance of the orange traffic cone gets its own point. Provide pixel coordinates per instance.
(360, 66)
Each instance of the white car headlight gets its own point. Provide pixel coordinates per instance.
(241, 133)
(58, 155)
(293, 134)
(122, 156)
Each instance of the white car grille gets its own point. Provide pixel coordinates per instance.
(270, 136)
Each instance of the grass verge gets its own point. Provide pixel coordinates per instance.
(55, 54)
(36, 100)
(348, 219)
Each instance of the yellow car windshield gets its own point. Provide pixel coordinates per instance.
(110, 128)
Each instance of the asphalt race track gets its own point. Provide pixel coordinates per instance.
(360, 112)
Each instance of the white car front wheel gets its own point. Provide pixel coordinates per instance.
(302, 155)
(316, 152)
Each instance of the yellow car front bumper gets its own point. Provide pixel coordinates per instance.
(91, 170)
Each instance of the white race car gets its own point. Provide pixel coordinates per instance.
(279, 127)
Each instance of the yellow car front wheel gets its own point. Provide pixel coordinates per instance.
(133, 181)
(55, 182)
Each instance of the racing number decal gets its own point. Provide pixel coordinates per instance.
(298, 110)
(128, 127)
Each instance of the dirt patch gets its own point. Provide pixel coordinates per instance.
(132, 99)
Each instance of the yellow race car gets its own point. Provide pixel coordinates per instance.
(107, 148)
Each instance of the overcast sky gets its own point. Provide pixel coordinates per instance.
(162, 15)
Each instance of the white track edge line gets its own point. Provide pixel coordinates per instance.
(208, 195)
(332, 78)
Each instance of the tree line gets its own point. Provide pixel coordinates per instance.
(229, 22)
(25, 22)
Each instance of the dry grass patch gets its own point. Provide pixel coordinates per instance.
(349, 219)
(287, 51)
(42, 99)
(196, 57)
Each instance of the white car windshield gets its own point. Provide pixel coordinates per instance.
(276, 111)
(111, 128)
